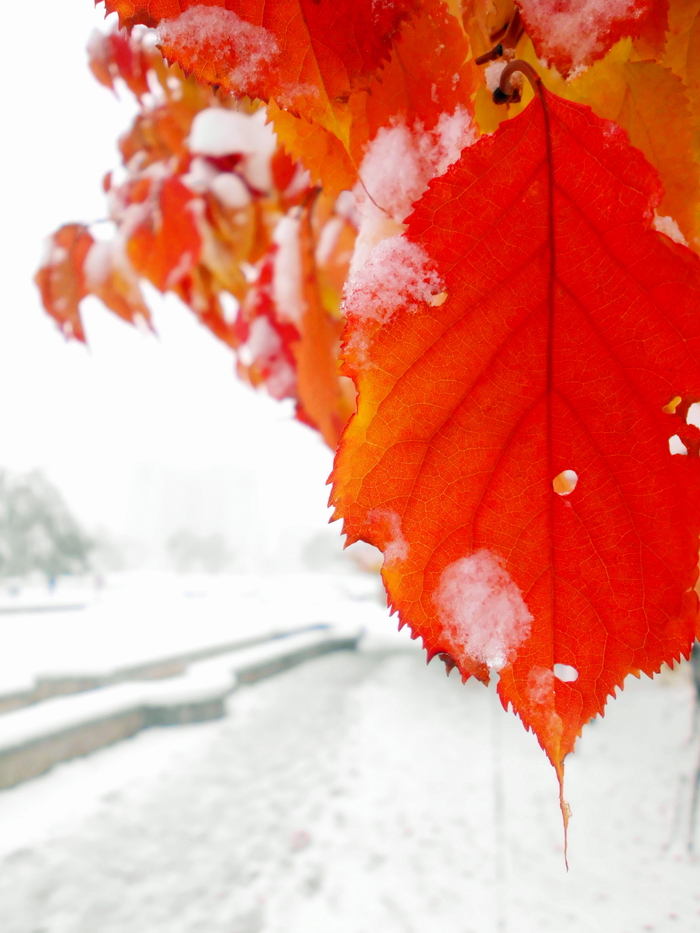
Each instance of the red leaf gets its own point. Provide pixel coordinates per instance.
(530, 323)
(114, 55)
(570, 34)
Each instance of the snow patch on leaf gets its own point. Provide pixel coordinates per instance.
(481, 609)
(98, 264)
(264, 347)
(576, 30)
(231, 191)
(218, 132)
(401, 160)
(492, 74)
(395, 547)
(396, 169)
(540, 685)
(205, 30)
(397, 275)
(287, 283)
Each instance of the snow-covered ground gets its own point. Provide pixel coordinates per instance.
(144, 616)
(362, 793)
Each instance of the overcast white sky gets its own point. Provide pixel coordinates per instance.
(90, 417)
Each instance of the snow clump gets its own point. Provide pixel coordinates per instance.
(540, 685)
(217, 131)
(396, 168)
(204, 30)
(492, 74)
(287, 284)
(397, 274)
(481, 609)
(396, 547)
(575, 28)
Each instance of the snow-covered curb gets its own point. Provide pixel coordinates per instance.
(64, 682)
(35, 738)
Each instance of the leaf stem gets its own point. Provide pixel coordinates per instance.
(508, 91)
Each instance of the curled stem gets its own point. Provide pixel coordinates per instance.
(508, 92)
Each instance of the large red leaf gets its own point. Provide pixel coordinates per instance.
(530, 323)
(308, 55)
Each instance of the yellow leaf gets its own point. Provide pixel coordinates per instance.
(651, 104)
(318, 150)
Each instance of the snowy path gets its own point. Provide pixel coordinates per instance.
(360, 793)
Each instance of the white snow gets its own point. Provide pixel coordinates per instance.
(98, 263)
(481, 609)
(293, 96)
(228, 187)
(396, 548)
(200, 175)
(230, 190)
(669, 226)
(185, 263)
(327, 239)
(205, 680)
(575, 27)
(540, 685)
(287, 281)
(217, 131)
(263, 340)
(141, 617)
(363, 792)
(264, 344)
(396, 168)
(397, 274)
(492, 74)
(203, 30)
(52, 254)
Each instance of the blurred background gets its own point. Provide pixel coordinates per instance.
(158, 520)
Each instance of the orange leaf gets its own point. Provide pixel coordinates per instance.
(110, 278)
(60, 278)
(528, 327)
(76, 266)
(430, 71)
(430, 74)
(319, 151)
(114, 55)
(651, 103)
(321, 398)
(165, 246)
(307, 54)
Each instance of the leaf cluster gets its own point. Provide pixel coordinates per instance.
(511, 265)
